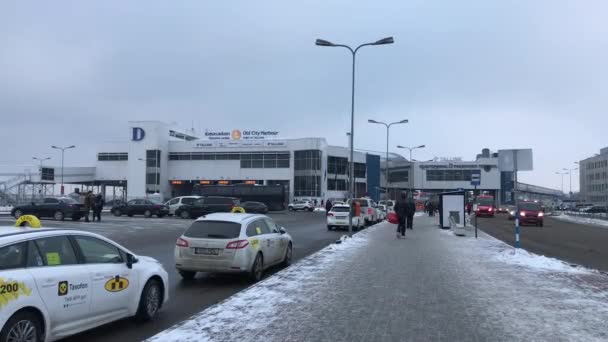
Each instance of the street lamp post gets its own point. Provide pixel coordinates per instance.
(562, 174)
(321, 42)
(388, 126)
(41, 160)
(62, 158)
(155, 172)
(570, 173)
(411, 149)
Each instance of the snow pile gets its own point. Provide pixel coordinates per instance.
(241, 316)
(582, 220)
(521, 257)
(322, 210)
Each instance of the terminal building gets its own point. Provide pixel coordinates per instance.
(156, 157)
(593, 173)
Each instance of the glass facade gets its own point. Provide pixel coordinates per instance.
(337, 165)
(398, 176)
(112, 156)
(337, 185)
(307, 160)
(360, 170)
(448, 175)
(307, 174)
(307, 186)
(262, 160)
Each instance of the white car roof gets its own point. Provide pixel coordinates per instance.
(231, 217)
(341, 205)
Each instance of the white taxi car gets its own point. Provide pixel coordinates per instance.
(55, 283)
(337, 217)
(232, 243)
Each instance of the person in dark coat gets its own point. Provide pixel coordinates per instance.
(328, 206)
(400, 210)
(410, 210)
(88, 204)
(98, 207)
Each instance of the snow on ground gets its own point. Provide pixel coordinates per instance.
(320, 210)
(5, 210)
(241, 316)
(582, 220)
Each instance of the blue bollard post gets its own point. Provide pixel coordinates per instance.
(517, 229)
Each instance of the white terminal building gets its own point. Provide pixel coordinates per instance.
(156, 157)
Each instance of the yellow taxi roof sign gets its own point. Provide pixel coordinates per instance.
(28, 221)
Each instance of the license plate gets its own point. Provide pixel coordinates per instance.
(207, 251)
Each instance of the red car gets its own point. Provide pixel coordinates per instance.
(485, 206)
(529, 212)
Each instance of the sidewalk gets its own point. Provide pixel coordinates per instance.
(432, 286)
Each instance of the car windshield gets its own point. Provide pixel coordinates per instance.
(529, 206)
(340, 209)
(213, 230)
(68, 200)
(485, 201)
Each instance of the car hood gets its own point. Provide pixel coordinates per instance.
(147, 259)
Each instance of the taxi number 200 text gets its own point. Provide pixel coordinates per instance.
(9, 288)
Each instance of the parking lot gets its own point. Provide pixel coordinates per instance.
(156, 238)
(572, 242)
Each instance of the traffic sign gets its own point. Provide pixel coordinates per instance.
(475, 177)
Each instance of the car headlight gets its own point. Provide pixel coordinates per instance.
(512, 213)
(541, 214)
(522, 214)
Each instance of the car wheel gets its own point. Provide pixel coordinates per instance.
(542, 224)
(311, 209)
(22, 326)
(367, 223)
(328, 227)
(150, 301)
(76, 218)
(288, 256)
(290, 208)
(117, 212)
(130, 215)
(58, 215)
(257, 270)
(18, 213)
(187, 275)
(159, 215)
(147, 214)
(184, 214)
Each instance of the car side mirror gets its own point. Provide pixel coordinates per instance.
(282, 230)
(131, 260)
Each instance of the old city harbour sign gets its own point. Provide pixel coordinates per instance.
(237, 134)
(137, 134)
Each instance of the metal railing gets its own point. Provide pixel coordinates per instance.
(600, 216)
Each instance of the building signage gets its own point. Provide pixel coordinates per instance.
(455, 166)
(137, 134)
(238, 134)
(239, 144)
(475, 177)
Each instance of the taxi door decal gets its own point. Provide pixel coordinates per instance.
(255, 243)
(116, 284)
(11, 290)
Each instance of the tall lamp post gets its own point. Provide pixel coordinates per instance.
(388, 126)
(62, 158)
(570, 173)
(411, 149)
(321, 42)
(562, 174)
(41, 160)
(155, 172)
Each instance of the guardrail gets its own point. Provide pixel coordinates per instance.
(600, 216)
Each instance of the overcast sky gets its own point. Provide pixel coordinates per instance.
(467, 74)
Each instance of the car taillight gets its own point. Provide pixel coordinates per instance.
(181, 243)
(330, 214)
(541, 214)
(370, 211)
(237, 244)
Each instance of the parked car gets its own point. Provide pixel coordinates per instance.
(141, 206)
(301, 205)
(254, 207)
(56, 207)
(596, 209)
(207, 205)
(381, 209)
(179, 201)
(390, 204)
(58, 282)
(232, 243)
(368, 209)
(529, 212)
(337, 217)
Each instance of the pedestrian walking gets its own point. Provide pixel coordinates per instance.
(400, 210)
(88, 205)
(410, 210)
(328, 205)
(98, 207)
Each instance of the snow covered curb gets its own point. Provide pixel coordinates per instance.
(240, 316)
(582, 220)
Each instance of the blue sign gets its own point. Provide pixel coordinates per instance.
(138, 134)
(475, 177)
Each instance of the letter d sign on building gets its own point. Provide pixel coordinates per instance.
(138, 134)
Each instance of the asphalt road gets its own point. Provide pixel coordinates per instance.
(156, 238)
(580, 244)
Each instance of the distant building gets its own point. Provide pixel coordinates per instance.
(594, 178)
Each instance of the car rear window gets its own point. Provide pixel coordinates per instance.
(529, 206)
(213, 230)
(340, 209)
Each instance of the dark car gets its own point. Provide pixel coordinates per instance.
(56, 207)
(596, 209)
(254, 207)
(529, 212)
(141, 206)
(207, 205)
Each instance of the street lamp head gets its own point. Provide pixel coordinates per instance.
(322, 42)
(421, 146)
(71, 146)
(399, 146)
(372, 121)
(54, 147)
(387, 40)
(404, 121)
